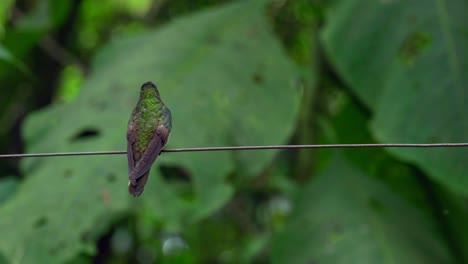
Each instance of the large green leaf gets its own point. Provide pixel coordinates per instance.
(27, 30)
(46, 15)
(226, 80)
(8, 186)
(406, 62)
(344, 216)
(6, 56)
(5, 7)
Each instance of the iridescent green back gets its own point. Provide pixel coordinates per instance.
(147, 116)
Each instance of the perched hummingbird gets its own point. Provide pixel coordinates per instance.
(148, 132)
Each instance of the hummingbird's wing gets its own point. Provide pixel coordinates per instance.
(151, 153)
(163, 132)
(130, 141)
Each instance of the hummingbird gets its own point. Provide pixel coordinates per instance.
(148, 131)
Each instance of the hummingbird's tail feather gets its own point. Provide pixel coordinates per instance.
(137, 186)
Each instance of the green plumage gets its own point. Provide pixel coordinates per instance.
(148, 132)
(147, 115)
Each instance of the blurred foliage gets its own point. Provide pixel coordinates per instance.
(356, 220)
(235, 73)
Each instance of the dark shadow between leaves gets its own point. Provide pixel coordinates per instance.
(42, 221)
(179, 179)
(67, 173)
(86, 133)
(257, 78)
(111, 177)
(175, 174)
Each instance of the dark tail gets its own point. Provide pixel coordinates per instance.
(137, 186)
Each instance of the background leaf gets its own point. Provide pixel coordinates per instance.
(239, 73)
(6, 56)
(8, 186)
(257, 104)
(406, 66)
(344, 216)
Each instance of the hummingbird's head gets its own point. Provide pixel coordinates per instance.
(149, 88)
(148, 85)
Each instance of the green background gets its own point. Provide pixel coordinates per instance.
(236, 73)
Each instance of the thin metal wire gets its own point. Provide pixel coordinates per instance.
(389, 145)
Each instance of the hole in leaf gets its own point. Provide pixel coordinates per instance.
(180, 181)
(103, 245)
(175, 173)
(68, 173)
(86, 134)
(42, 221)
(111, 177)
(261, 196)
(257, 78)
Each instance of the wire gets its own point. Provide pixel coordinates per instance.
(397, 145)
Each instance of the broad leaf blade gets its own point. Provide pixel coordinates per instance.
(405, 61)
(8, 57)
(344, 216)
(227, 82)
(8, 186)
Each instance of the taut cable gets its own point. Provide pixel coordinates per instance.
(385, 145)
